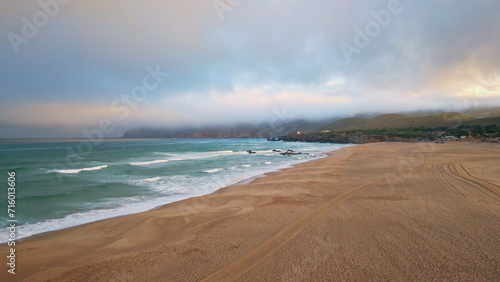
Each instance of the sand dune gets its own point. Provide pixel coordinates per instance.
(385, 211)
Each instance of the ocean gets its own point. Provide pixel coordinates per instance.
(63, 183)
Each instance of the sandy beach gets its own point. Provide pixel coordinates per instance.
(382, 211)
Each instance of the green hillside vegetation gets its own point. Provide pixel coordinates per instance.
(483, 121)
(488, 133)
(398, 121)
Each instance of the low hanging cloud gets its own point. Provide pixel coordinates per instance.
(239, 62)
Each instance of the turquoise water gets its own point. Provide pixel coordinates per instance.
(63, 183)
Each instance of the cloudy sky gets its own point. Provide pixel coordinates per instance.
(72, 65)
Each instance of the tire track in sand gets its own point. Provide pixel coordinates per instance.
(462, 172)
(238, 268)
(456, 171)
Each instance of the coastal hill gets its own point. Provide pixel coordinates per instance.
(395, 121)
(446, 119)
(398, 128)
(482, 117)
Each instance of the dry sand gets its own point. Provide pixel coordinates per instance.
(385, 211)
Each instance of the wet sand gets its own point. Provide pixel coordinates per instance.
(384, 211)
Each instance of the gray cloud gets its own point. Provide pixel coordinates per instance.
(89, 53)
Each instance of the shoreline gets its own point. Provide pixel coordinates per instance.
(250, 179)
(244, 181)
(334, 208)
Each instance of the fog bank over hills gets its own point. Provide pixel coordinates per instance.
(277, 127)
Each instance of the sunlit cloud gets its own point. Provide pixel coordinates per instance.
(262, 56)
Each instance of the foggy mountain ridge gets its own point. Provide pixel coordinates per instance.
(278, 128)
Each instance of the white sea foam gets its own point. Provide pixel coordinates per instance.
(213, 170)
(78, 170)
(187, 156)
(152, 179)
(199, 155)
(127, 206)
(168, 189)
(166, 184)
(150, 162)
